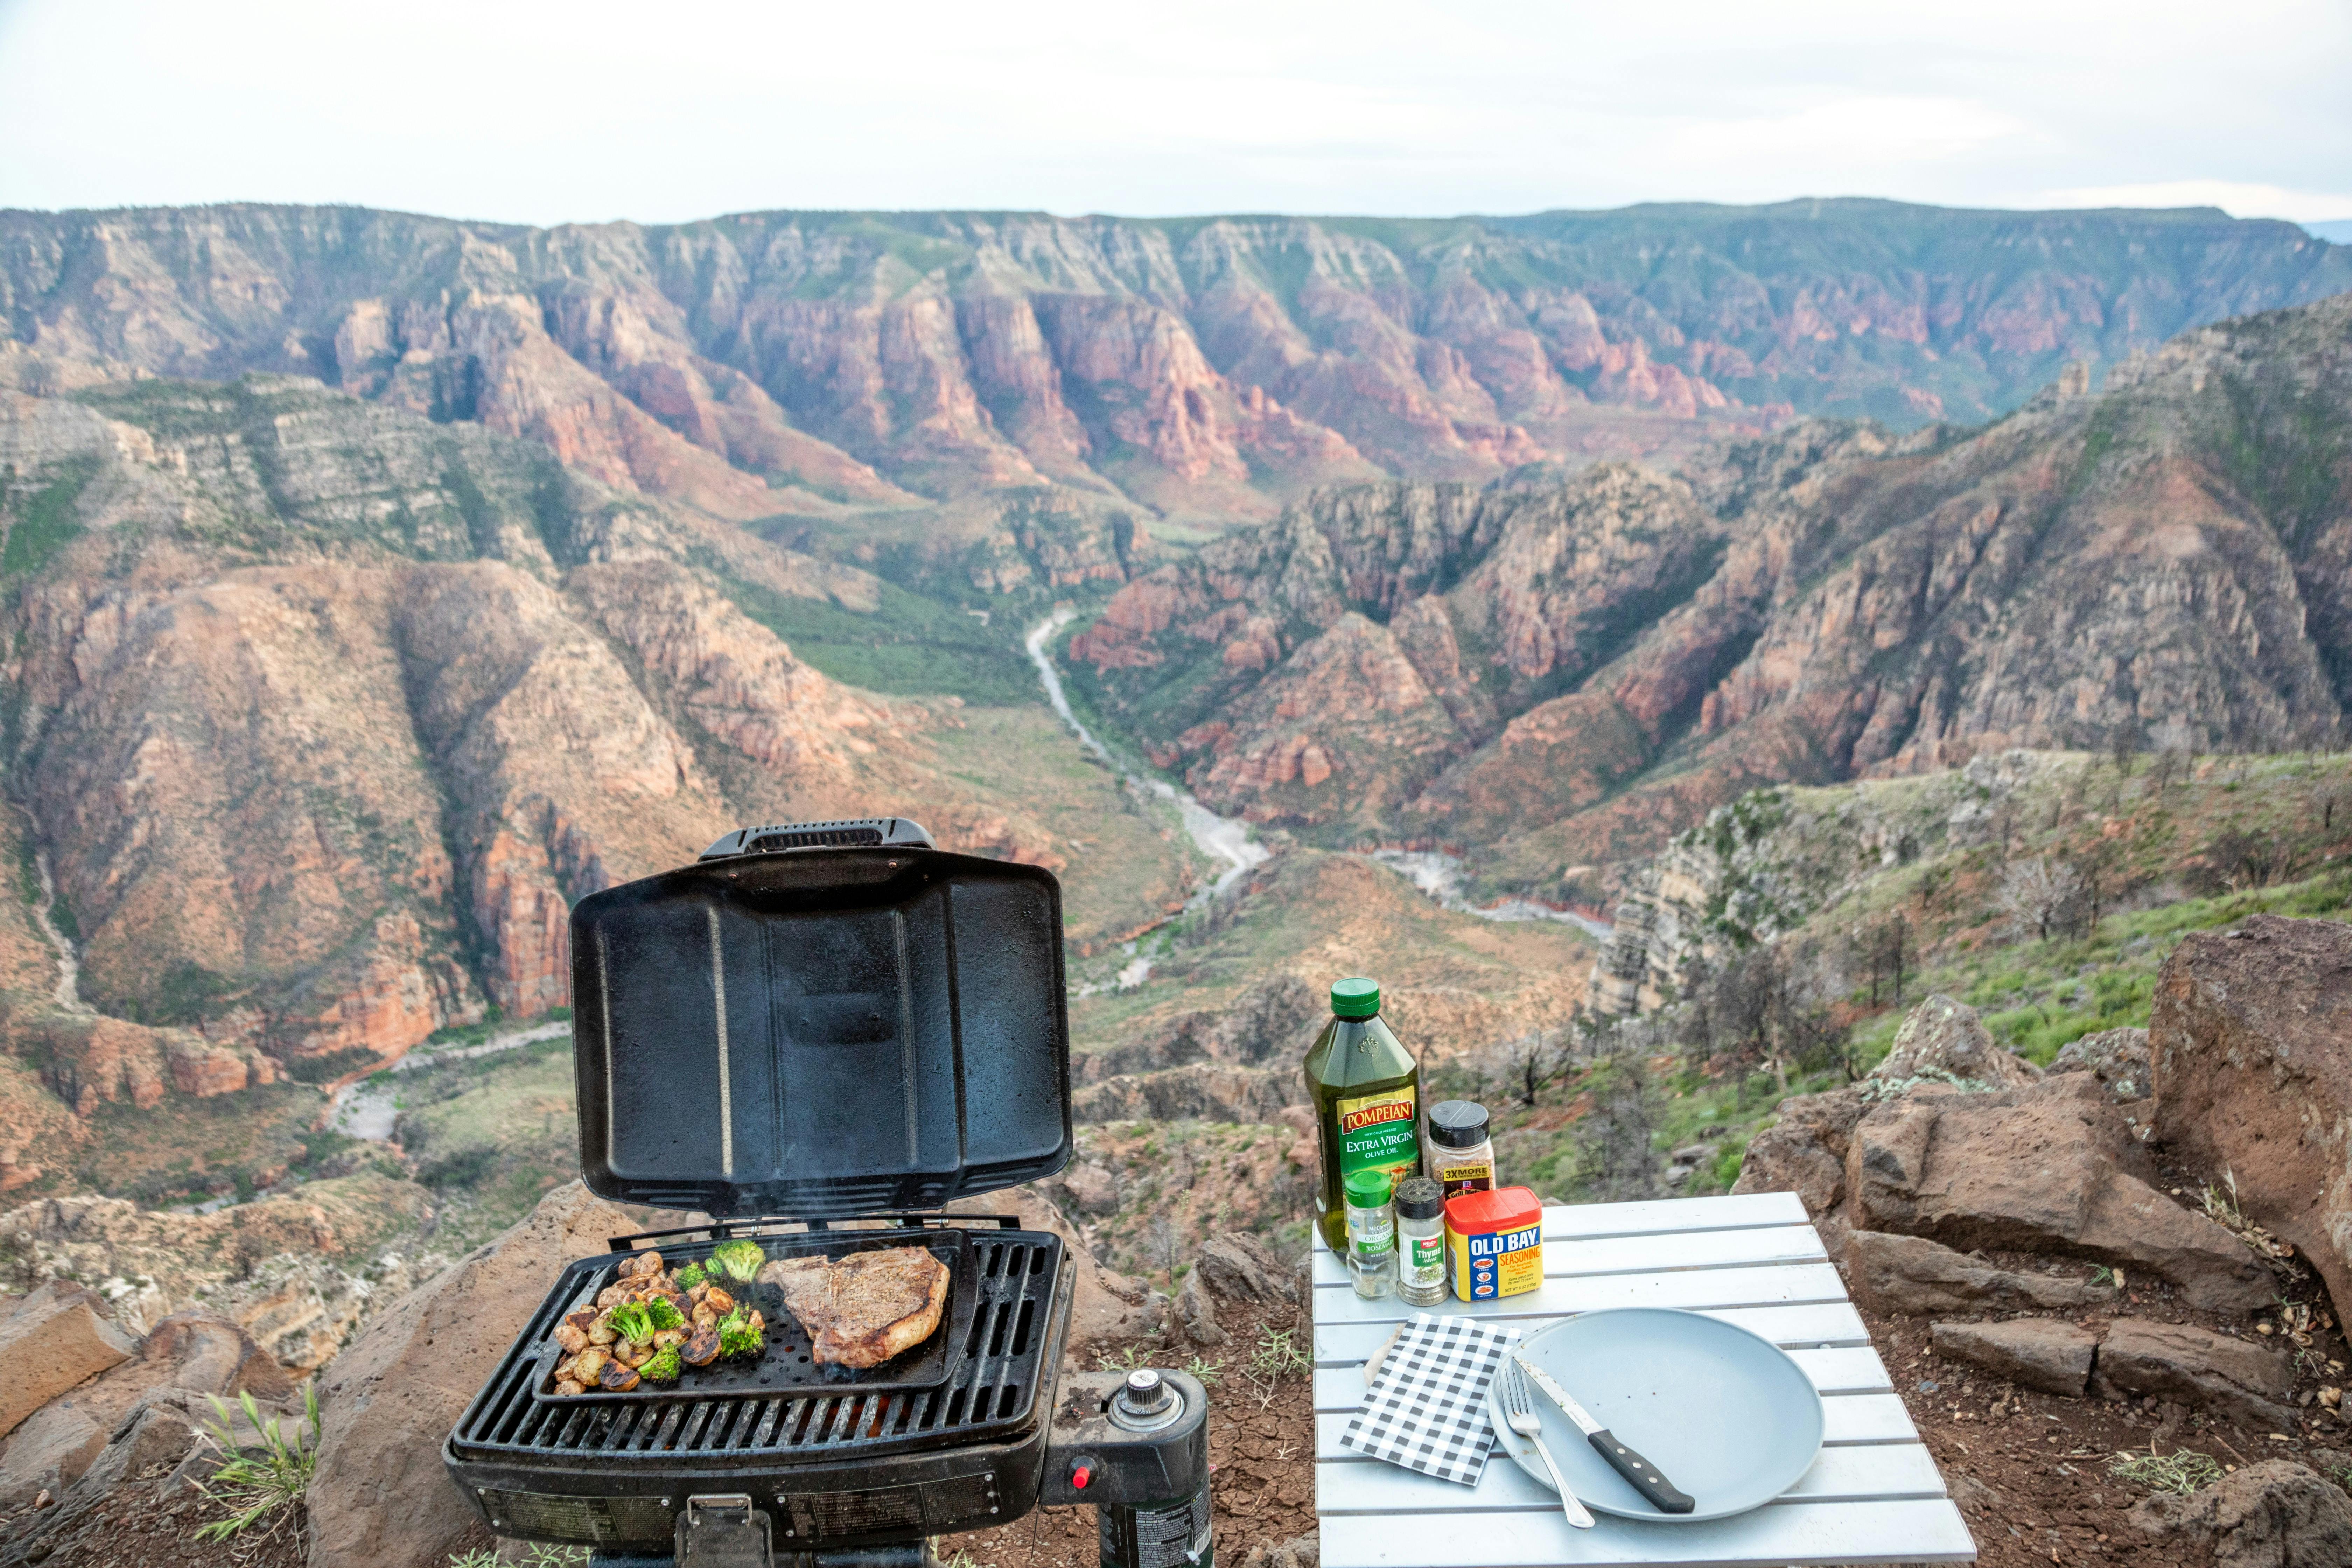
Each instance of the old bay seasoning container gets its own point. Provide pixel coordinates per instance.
(1366, 1089)
(1494, 1243)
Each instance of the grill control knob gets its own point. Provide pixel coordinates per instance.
(1081, 1475)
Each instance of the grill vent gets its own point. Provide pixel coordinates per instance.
(814, 837)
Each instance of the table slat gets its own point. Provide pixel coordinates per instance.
(1654, 1217)
(1922, 1530)
(1846, 1419)
(1647, 1254)
(1840, 1369)
(1839, 1475)
(1769, 1285)
(1815, 1326)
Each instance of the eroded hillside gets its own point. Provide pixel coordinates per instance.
(322, 715)
(1562, 676)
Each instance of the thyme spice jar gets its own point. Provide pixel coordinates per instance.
(1421, 1242)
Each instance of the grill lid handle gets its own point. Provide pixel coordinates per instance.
(848, 833)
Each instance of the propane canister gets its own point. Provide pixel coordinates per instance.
(1161, 1532)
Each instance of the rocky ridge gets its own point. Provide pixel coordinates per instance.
(1561, 678)
(822, 364)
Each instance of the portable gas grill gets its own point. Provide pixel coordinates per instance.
(818, 1035)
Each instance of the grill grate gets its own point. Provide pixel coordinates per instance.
(995, 1380)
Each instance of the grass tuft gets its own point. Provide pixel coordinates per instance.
(2182, 1473)
(258, 1484)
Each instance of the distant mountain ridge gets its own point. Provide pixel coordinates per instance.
(823, 365)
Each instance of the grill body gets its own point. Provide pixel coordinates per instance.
(831, 1468)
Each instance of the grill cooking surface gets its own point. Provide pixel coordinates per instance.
(996, 1370)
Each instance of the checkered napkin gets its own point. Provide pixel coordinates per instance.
(1427, 1408)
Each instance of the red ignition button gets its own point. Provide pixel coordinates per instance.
(1080, 1476)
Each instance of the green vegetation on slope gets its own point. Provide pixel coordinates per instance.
(43, 523)
(909, 646)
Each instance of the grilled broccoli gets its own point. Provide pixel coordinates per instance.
(737, 1337)
(687, 1277)
(633, 1322)
(663, 1367)
(738, 1260)
(664, 1314)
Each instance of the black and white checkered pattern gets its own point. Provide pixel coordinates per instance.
(1427, 1408)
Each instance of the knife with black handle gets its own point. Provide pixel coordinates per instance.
(1642, 1476)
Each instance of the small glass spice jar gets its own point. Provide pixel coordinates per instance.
(1421, 1241)
(1372, 1234)
(1461, 1150)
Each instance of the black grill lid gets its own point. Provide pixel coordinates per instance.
(821, 1031)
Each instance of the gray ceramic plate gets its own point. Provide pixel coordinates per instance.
(1724, 1413)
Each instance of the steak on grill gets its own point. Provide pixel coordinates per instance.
(862, 1309)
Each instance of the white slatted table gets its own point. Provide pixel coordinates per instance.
(1873, 1496)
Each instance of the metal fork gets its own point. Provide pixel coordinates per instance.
(1520, 1410)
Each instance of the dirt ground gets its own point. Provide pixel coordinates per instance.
(133, 1528)
(2031, 1472)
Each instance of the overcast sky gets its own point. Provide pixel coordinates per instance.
(662, 110)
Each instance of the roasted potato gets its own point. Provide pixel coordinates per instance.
(601, 1331)
(617, 1378)
(590, 1364)
(701, 1349)
(567, 1386)
(570, 1339)
(718, 1301)
(669, 1336)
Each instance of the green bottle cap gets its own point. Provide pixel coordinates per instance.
(1356, 998)
(1368, 1189)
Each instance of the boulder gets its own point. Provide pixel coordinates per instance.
(2251, 1048)
(1941, 1035)
(1194, 1315)
(56, 1338)
(386, 1402)
(1804, 1153)
(159, 1437)
(2053, 1168)
(2273, 1514)
(48, 1452)
(2031, 1353)
(1238, 1267)
(1910, 1274)
(199, 1354)
(2247, 1383)
(2116, 1057)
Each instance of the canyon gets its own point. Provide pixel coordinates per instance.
(1558, 677)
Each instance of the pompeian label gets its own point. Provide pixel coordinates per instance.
(1376, 1133)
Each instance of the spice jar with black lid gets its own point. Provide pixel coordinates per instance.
(1462, 1147)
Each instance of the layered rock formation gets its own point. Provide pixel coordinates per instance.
(809, 364)
(324, 714)
(1573, 673)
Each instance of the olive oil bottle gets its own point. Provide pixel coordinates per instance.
(1366, 1089)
